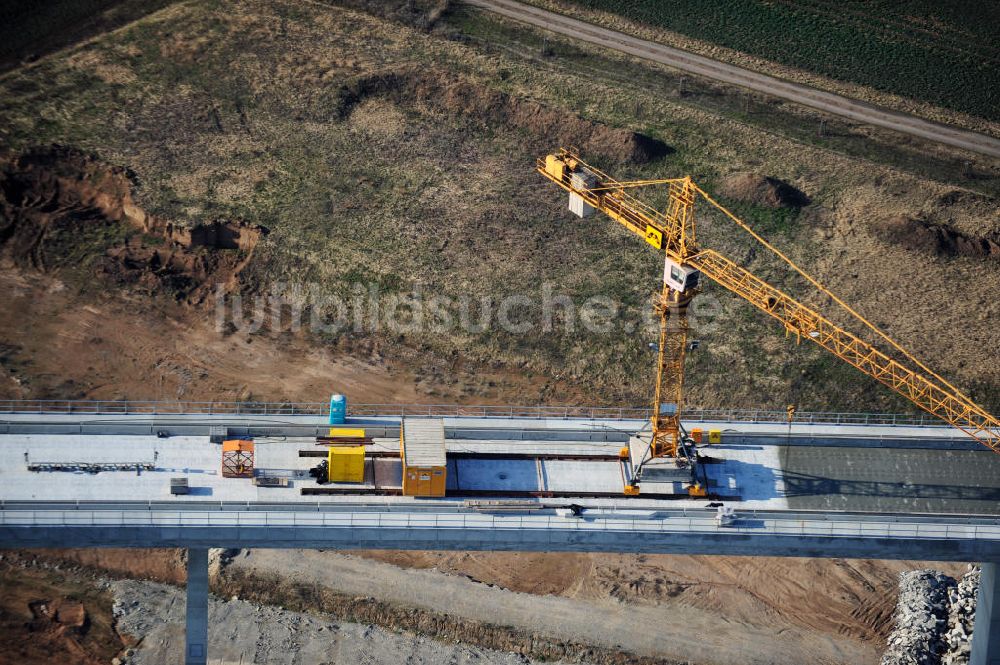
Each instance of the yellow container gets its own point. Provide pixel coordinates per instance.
(347, 432)
(715, 436)
(425, 462)
(424, 481)
(346, 464)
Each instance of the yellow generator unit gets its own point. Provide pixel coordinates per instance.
(346, 464)
(425, 465)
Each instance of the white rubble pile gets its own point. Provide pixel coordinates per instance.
(933, 619)
(921, 616)
(961, 615)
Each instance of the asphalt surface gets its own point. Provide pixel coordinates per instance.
(702, 66)
(891, 480)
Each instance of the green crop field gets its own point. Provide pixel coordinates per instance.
(946, 53)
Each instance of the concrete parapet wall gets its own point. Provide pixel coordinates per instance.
(548, 540)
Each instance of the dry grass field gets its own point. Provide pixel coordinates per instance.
(379, 153)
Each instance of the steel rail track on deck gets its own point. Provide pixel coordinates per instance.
(500, 455)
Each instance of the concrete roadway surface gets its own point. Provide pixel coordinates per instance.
(745, 78)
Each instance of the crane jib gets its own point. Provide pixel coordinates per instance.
(647, 226)
(673, 232)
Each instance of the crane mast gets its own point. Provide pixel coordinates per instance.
(671, 309)
(672, 231)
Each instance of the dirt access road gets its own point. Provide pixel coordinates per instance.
(702, 66)
(699, 637)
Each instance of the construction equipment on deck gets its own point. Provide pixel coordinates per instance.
(270, 481)
(672, 231)
(237, 458)
(345, 464)
(346, 433)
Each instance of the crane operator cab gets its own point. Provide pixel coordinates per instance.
(678, 277)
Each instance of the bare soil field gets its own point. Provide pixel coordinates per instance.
(587, 612)
(267, 634)
(825, 594)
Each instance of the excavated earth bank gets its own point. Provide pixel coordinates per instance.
(59, 204)
(542, 125)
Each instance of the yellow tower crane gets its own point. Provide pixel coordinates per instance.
(672, 231)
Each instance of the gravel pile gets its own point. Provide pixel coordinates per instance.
(933, 620)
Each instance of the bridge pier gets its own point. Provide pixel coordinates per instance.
(196, 632)
(986, 631)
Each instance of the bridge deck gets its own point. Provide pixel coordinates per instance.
(867, 490)
(898, 478)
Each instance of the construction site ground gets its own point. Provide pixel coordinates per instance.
(490, 600)
(268, 634)
(393, 124)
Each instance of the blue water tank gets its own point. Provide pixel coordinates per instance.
(338, 409)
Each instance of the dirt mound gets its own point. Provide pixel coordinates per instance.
(546, 128)
(925, 236)
(71, 613)
(61, 206)
(970, 213)
(762, 191)
(68, 613)
(49, 615)
(157, 564)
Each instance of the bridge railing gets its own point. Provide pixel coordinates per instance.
(129, 407)
(321, 409)
(541, 524)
